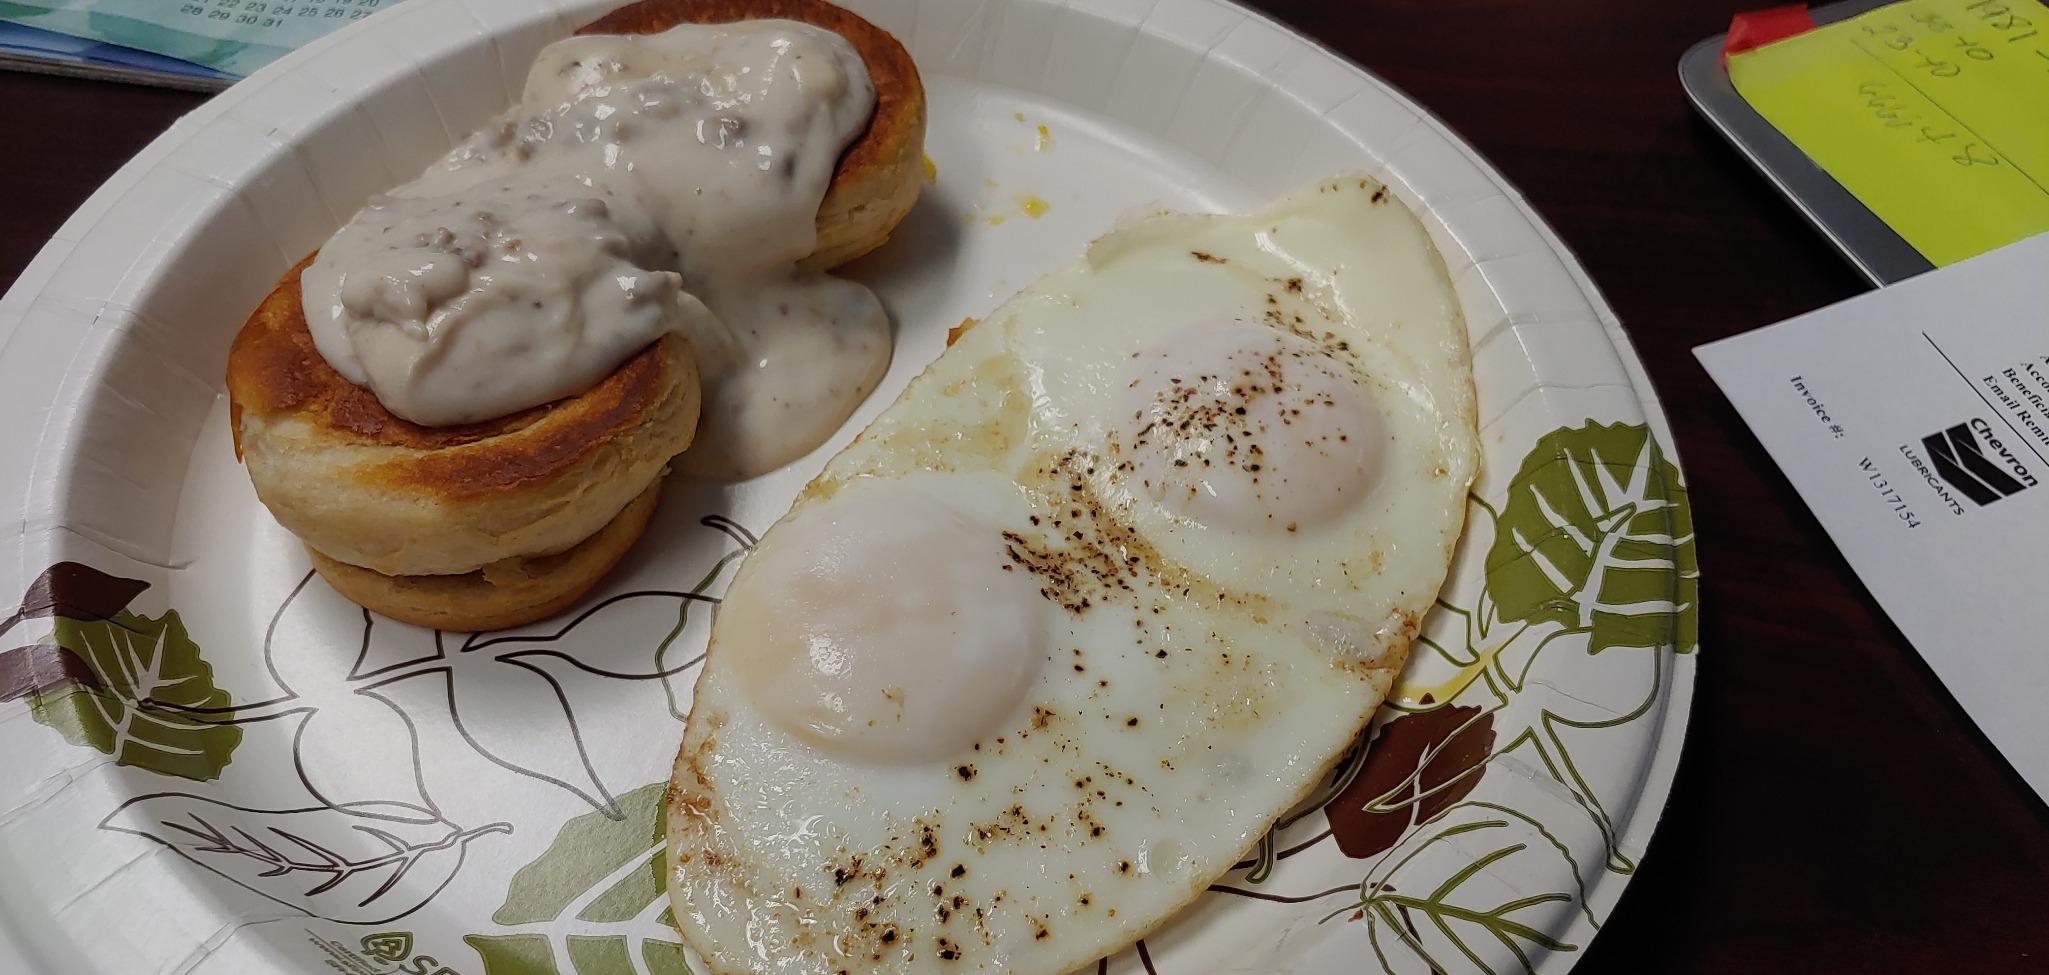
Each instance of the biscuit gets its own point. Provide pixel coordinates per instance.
(505, 521)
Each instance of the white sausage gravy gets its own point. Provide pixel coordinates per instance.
(643, 185)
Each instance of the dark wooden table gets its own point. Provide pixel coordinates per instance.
(1835, 810)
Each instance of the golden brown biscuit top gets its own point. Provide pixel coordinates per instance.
(274, 369)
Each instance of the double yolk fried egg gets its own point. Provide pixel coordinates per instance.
(1102, 594)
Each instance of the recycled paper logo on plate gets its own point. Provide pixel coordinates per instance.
(390, 946)
(377, 951)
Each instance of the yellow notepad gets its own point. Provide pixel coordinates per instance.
(1933, 113)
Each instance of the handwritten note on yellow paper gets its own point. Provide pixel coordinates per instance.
(1933, 113)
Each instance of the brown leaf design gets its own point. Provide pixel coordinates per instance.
(40, 668)
(74, 591)
(1418, 766)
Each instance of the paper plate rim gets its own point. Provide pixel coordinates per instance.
(38, 501)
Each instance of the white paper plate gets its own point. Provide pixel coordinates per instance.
(313, 790)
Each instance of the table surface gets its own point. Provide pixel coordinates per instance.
(1834, 809)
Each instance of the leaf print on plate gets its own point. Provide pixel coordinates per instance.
(74, 591)
(358, 752)
(514, 696)
(318, 641)
(1543, 739)
(1592, 550)
(1417, 766)
(1442, 900)
(1517, 674)
(514, 715)
(319, 860)
(645, 625)
(677, 634)
(41, 669)
(593, 903)
(145, 704)
(1542, 686)
(1406, 770)
(1596, 536)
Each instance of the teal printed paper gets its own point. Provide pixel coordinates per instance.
(234, 36)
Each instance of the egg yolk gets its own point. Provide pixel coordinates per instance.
(1242, 426)
(883, 626)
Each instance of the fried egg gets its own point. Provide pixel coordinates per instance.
(1099, 597)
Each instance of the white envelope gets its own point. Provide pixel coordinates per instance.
(1914, 420)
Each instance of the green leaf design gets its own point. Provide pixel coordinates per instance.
(1597, 536)
(593, 902)
(514, 954)
(1449, 894)
(149, 708)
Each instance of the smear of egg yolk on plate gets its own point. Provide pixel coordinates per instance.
(1029, 204)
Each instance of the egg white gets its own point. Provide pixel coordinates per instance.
(1197, 678)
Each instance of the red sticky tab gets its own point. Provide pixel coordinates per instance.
(1760, 27)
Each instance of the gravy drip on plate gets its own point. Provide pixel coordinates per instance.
(644, 184)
